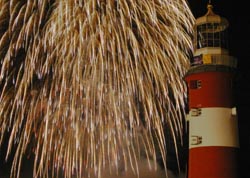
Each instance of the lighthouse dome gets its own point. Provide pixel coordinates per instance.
(211, 17)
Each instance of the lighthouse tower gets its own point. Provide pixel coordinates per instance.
(212, 118)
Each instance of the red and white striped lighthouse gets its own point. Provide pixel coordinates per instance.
(212, 118)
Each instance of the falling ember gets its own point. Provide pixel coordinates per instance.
(89, 84)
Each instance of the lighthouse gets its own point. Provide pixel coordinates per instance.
(212, 117)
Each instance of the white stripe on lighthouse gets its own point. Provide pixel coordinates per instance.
(213, 127)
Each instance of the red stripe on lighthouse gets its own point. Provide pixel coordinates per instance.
(210, 89)
(213, 162)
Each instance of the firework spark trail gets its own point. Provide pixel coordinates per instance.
(87, 83)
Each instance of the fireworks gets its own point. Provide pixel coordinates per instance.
(91, 83)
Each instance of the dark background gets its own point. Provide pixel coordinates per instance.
(237, 13)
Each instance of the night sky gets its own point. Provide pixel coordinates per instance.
(237, 13)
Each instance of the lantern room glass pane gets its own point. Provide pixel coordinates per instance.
(211, 35)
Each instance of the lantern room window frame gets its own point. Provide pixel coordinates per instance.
(211, 35)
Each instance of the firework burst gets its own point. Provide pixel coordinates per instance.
(91, 83)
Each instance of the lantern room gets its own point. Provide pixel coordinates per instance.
(211, 41)
(211, 32)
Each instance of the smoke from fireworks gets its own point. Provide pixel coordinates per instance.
(90, 83)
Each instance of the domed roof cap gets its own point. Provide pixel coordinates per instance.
(211, 17)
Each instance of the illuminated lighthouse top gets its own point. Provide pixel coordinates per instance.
(211, 40)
